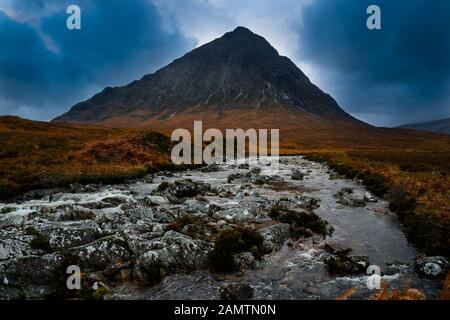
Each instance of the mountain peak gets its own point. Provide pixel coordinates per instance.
(242, 30)
(239, 71)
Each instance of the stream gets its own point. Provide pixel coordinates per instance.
(85, 219)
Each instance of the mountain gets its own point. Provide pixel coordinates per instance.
(239, 71)
(236, 81)
(438, 126)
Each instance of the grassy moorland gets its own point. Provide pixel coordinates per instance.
(35, 155)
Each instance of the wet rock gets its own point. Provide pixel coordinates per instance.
(255, 194)
(347, 265)
(100, 253)
(244, 177)
(177, 251)
(255, 170)
(275, 179)
(432, 267)
(153, 266)
(29, 277)
(297, 175)
(185, 188)
(337, 248)
(12, 220)
(67, 236)
(190, 253)
(345, 198)
(119, 271)
(211, 168)
(237, 214)
(244, 166)
(259, 179)
(114, 201)
(151, 201)
(201, 206)
(6, 210)
(244, 261)
(15, 244)
(236, 291)
(261, 218)
(75, 213)
(274, 236)
(138, 245)
(368, 197)
(305, 202)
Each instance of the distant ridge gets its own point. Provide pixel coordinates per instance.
(438, 126)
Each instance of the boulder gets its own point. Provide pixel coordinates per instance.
(244, 261)
(236, 214)
(175, 251)
(12, 220)
(337, 248)
(259, 179)
(211, 168)
(74, 214)
(100, 253)
(184, 188)
(30, 277)
(347, 265)
(15, 244)
(432, 267)
(201, 206)
(297, 175)
(64, 236)
(368, 197)
(151, 201)
(345, 198)
(274, 236)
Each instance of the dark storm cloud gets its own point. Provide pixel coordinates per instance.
(398, 74)
(45, 68)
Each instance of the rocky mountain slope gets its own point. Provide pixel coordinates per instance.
(239, 71)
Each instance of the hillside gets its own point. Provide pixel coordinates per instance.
(36, 155)
(438, 126)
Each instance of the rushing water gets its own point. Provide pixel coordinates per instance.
(296, 271)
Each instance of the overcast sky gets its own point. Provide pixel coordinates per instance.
(400, 74)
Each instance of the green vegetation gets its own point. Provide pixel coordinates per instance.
(301, 223)
(40, 241)
(194, 226)
(233, 241)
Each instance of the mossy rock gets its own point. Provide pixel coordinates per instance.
(234, 241)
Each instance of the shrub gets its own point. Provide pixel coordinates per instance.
(40, 241)
(401, 202)
(424, 227)
(233, 241)
(302, 223)
(194, 226)
(375, 183)
(160, 141)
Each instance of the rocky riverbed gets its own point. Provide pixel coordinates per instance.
(301, 232)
